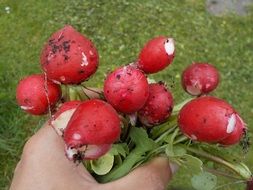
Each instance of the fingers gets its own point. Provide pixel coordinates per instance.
(46, 147)
(154, 175)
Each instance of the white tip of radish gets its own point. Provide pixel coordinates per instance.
(169, 46)
(193, 90)
(231, 123)
(84, 60)
(61, 122)
(70, 152)
(193, 137)
(26, 107)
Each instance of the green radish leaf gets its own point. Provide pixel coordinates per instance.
(103, 165)
(120, 149)
(176, 151)
(230, 155)
(141, 140)
(159, 130)
(204, 180)
(142, 143)
(193, 164)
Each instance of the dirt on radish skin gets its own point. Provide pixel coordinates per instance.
(69, 57)
(33, 94)
(207, 119)
(94, 122)
(126, 89)
(158, 107)
(200, 78)
(157, 54)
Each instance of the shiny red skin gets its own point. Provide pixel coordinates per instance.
(63, 57)
(205, 119)
(31, 94)
(126, 89)
(236, 135)
(158, 107)
(153, 57)
(94, 122)
(202, 76)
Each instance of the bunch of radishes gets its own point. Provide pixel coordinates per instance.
(132, 119)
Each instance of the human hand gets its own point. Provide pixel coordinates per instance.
(44, 166)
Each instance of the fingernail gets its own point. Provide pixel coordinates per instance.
(173, 167)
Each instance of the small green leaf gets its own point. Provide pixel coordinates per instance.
(204, 180)
(120, 149)
(193, 164)
(141, 140)
(103, 165)
(175, 151)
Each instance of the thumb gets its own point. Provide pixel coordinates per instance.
(154, 175)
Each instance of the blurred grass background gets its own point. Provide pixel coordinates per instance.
(119, 28)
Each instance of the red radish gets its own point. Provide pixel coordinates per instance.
(69, 57)
(157, 54)
(61, 118)
(158, 107)
(237, 134)
(126, 89)
(34, 94)
(60, 121)
(200, 78)
(207, 119)
(94, 122)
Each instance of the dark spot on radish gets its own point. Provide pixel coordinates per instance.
(51, 41)
(66, 58)
(66, 46)
(204, 120)
(73, 41)
(118, 77)
(129, 73)
(54, 48)
(81, 71)
(107, 91)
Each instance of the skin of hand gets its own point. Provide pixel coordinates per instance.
(44, 166)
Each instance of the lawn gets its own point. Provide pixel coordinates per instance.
(119, 28)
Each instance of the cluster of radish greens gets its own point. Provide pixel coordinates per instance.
(133, 119)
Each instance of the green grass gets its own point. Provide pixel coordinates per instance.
(119, 28)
